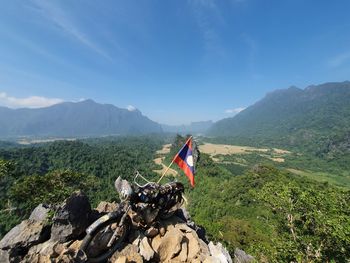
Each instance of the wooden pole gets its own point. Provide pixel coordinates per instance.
(167, 169)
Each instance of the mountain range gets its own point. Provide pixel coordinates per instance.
(291, 116)
(86, 118)
(294, 116)
(199, 127)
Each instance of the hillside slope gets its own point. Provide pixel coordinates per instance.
(294, 116)
(86, 118)
(272, 214)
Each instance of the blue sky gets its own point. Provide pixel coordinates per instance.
(176, 61)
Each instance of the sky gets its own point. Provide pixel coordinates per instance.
(176, 61)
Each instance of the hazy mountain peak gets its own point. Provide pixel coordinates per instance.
(294, 88)
(290, 90)
(292, 112)
(75, 119)
(87, 101)
(197, 127)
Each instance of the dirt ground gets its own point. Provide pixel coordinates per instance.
(165, 149)
(159, 160)
(279, 160)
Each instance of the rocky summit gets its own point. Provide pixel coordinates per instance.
(54, 234)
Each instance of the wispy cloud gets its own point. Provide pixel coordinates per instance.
(56, 15)
(36, 48)
(339, 59)
(208, 18)
(235, 110)
(131, 108)
(28, 102)
(252, 52)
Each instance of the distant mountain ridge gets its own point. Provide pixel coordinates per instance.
(199, 127)
(86, 118)
(293, 116)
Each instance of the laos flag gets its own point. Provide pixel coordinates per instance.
(186, 158)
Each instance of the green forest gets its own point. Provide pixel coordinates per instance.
(261, 207)
(50, 172)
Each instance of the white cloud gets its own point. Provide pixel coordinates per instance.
(28, 102)
(131, 108)
(235, 111)
(339, 59)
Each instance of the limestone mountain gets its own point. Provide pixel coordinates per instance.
(294, 116)
(86, 118)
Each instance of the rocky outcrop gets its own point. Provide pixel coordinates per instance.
(71, 218)
(241, 257)
(55, 235)
(176, 243)
(16, 243)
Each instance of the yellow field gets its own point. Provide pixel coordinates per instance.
(215, 150)
(222, 149)
(165, 149)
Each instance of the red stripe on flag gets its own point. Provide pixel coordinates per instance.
(183, 165)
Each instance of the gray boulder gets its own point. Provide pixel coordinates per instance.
(242, 257)
(146, 250)
(40, 213)
(4, 256)
(130, 253)
(71, 218)
(172, 240)
(219, 252)
(23, 236)
(170, 245)
(106, 207)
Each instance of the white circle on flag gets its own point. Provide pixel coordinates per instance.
(189, 160)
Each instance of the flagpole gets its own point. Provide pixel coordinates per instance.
(167, 169)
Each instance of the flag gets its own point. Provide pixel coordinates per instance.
(186, 159)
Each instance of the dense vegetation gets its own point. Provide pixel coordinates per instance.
(51, 172)
(275, 215)
(271, 213)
